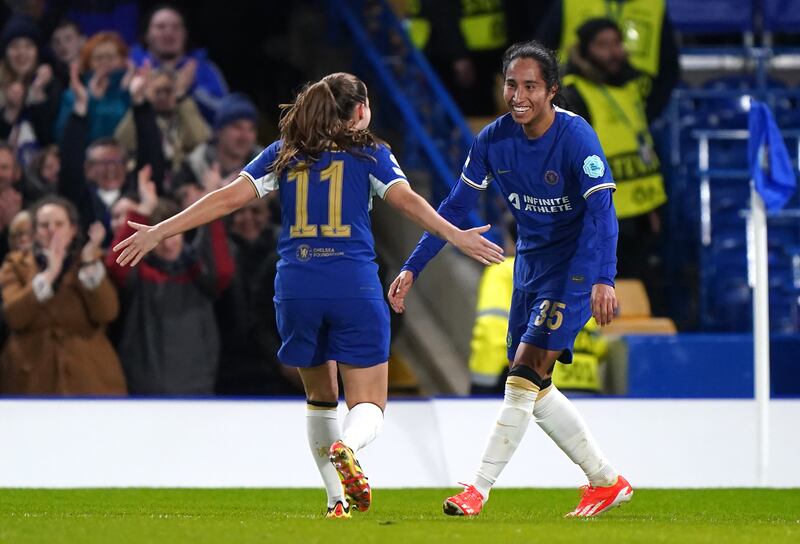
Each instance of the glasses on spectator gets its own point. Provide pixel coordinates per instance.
(164, 91)
(97, 57)
(107, 163)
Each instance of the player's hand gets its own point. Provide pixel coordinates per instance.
(399, 289)
(133, 248)
(604, 303)
(471, 243)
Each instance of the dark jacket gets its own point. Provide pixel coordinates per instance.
(40, 118)
(169, 342)
(246, 314)
(73, 184)
(549, 33)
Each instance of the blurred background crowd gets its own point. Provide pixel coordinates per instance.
(113, 110)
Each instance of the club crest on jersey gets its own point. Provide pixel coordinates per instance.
(593, 166)
(303, 253)
(551, 177)
(508, 340)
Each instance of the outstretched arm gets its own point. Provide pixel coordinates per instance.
(401, 197)
(453, 209)
(461, 200)
(212, 206)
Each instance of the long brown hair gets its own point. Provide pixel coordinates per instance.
(319, 119)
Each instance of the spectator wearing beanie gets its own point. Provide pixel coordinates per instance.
(29, 94)
(232, 146)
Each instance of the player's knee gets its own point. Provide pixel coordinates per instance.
(522, 386)
(524, 376)
(539, 363)
(323, 395)
(540, 360)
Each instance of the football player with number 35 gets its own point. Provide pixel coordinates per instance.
(549, 165)
(329, 303)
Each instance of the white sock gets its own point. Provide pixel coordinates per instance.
(559, 418)
(361, 425)
(322, 425)
(507, 433)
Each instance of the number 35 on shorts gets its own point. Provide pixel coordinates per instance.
(550, 314)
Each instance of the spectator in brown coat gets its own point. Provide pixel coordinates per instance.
(57, 300)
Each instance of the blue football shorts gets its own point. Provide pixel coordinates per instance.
(351, 331)
(549, 320)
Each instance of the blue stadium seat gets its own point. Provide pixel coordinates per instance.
(781, 15)
(711, 16)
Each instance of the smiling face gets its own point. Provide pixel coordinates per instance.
(166, 34)
(106, 57)
(22, 55)
(527, 96)
(238, 138)
(251, 220)
(105, 166)
(170, 249)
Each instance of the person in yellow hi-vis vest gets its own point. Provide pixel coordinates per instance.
(603, 87)
(433, 29)
(488, 361)
(463, 40)
(647, 33)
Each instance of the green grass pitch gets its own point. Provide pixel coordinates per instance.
(526, 516)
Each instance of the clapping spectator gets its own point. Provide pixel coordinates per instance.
(29, 94)
(181, 125)
(233, 145)
(169, 337)
(93, 176)
(57, 301)
(165, 41)
(104, 75)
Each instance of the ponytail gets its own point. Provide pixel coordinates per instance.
(319, 119)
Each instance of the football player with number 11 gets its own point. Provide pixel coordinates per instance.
(329, 303)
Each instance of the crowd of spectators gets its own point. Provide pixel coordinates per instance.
(110, 112)
(101, 125)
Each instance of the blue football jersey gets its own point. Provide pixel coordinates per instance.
(546, 181)
(326, 244)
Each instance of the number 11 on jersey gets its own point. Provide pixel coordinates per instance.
(334, 228)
